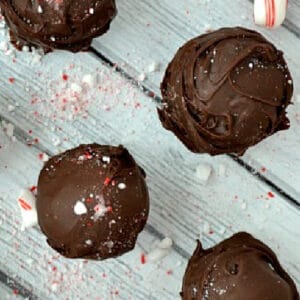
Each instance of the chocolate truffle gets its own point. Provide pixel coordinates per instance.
(239, 268)
(57, 24)
(92, 202)
(226, 91)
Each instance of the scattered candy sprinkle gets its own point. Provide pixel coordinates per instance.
(143, 258)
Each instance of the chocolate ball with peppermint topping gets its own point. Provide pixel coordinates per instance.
(226, 91)
(239, 268)
(57, 24)
(92, 202)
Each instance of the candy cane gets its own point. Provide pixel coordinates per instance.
(270, 13)
(26, 202)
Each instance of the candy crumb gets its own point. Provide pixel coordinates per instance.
(203, 173)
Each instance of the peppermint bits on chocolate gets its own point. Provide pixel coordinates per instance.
(92, 202)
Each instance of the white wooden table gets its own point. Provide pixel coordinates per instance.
(259, 193)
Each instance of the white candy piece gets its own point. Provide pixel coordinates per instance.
(10, 108)
(206, 228)
(27, 204)
(3, 46)
(100, 211)
(76, 88)
(80, 208)
(270, 13)
(203, 172)
(142, 77)
(166, 243)
(153, 67)
(157, 254)
(106, 159)
(162, 250)
(45, 157)
(88, 79)
(121, 186)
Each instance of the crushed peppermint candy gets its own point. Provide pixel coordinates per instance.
(153, 67)
(89, 80)
(100, 208)
(40, 9)
(89, 242)
(122, 186)
(142, 77)
(107, 181)
(43, 157)
(106, 159)
(100, 211)
(143, 259)
(206, 228)
(203, 173)
(162, 250)
(80, 208)
(27, 205)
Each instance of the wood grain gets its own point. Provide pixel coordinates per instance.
(181, 207)
(151, 31)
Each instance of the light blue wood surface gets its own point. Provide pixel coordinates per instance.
(145, 32)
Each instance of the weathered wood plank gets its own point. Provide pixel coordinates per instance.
(180, 206)
(151, 31)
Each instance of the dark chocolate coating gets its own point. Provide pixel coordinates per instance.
(111, 199)
(57, 24)
(226, 91)
(239, 268)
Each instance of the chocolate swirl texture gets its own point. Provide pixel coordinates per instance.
(239, 268)
(226, 91)
(92, 202)
(57, 24)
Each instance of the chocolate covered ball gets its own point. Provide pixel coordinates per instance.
(239, 268)
(57, 24)
(226, 91)
(92, 202)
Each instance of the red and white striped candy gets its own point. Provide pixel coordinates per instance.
(26, 202)
(270, 13)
